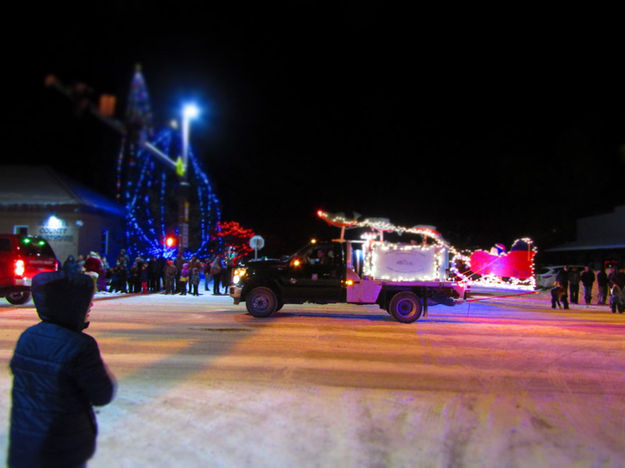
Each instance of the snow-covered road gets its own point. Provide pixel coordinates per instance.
(500, 383)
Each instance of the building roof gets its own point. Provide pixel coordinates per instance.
(575, 246)
(598, 232)
(41, 186)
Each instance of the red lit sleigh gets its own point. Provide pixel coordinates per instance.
(516, 266)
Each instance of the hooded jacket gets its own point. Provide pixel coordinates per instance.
(58, 375)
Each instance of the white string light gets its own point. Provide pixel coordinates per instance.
(459, 265)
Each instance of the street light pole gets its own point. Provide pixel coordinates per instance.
(189, 112)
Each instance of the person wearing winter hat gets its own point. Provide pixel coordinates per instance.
(58, 376)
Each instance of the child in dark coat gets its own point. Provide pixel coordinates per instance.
(194, 281)
(558, 297)
(58, 375)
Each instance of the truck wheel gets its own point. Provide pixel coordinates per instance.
(405, 307)
(20, 297)
(261, 302)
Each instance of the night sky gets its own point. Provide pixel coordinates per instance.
(490, 129)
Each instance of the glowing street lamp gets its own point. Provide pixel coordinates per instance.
(189, 112)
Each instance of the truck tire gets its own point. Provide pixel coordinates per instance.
(261, 302)
(19, 297)
(405, 307)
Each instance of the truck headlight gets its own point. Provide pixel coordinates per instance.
(238, 275)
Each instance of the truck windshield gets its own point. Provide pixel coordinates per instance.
(32, 247)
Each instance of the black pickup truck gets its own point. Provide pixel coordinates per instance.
(333, 272)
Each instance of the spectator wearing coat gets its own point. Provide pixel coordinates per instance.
(178, 262)
(562, 278)
(194, 281)
(70, 266)
(562, 281)
(602, 283)
(207, 273)
(123, 259)
(184, 279)
(574, 286)
(216, 271)
(80, 261)
(170, 277)
(94, 263)
(58, 376)
(144, 278)
(153, 274)
(588, 279)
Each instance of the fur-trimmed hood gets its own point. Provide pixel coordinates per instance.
(62, 298)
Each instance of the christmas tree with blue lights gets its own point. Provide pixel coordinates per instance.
(149, 186)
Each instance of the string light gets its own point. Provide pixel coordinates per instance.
(443, 255)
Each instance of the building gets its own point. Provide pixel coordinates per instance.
(600, 241)
(38, 201)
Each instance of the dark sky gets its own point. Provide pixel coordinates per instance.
(490, 129)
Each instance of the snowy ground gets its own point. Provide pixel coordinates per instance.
(501, 383)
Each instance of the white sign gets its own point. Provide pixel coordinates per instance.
(257, 242)
(404, 263)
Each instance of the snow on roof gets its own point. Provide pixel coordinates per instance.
(573, 246)
(42, 186)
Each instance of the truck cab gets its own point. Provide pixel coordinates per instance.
(21, 258)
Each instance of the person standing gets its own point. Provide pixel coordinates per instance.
(588, 279)
(169, 273)
(94, 263)
(80, 261)
(207, 273)
(562, 279)
(123, 259)
(574, 285)
(230, 263)
(184, 279)
(153, 274)
(144, 278)
(178, 262)
(194, 281)
(58, 376)
(134, 279)
(602, 283)
(161, 264)
(70, 266)
(216, 271)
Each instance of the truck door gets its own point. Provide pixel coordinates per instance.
(319, 276)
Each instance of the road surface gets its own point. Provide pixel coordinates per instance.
(499, 383)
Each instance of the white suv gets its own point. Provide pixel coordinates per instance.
(546, 276)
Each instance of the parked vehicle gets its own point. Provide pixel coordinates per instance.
(21, 258)
(546, 276)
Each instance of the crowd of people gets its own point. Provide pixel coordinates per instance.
(609, 285)
(156, 274)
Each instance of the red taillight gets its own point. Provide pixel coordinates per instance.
(20, 268)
